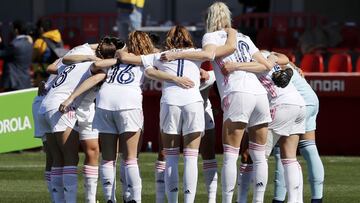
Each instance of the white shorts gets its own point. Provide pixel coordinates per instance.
(186, 119)
(311, 114)
(54, 121)
(247, 108)
(209, 117)
(85, 117)
(35, 108)
(288, 120)
(118, 122)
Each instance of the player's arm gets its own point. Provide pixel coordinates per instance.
(103, 64)
(71, 59)
(269, 64)
(208, 53)
(85, 86)
(282, 59)
(127, 57)
(254, 67)
(155, 74)
(53, 68)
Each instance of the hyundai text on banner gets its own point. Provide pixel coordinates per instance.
(16, 121)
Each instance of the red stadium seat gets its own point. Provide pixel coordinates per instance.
(340, 63)
(312, 63)
(358, 65)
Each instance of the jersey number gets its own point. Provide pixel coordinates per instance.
(243, 48)
(124, 76)
(63, 75)
(180, 68)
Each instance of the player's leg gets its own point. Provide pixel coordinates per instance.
(69, 145)
(129, 145)
(308, 150)
(159, 174)
(91, 167)
(171, 143)
(48, 165)
(190, 176)
(56, 176)
(245, 174)
(258, 130)
(207, 149)
(108, 145)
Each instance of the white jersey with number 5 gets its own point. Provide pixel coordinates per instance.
(122, 88)
(237, 81)
(69, 77)
(172, 93)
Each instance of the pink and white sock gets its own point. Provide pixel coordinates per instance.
(293, 179)
(133, 179)
(211, 176)
(159, 181)
(244, 180)
(57, 184)
(190, 176)
(172, 174)
(260, 168)
(48, 183)
(107, 174)
(228, 172)
(125, 190)
(70, 183)
(91, 174)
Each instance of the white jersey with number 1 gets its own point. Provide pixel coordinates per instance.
(171, 93)
(237, 81)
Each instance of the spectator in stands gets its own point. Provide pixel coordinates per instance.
(44, 53)
(42, 48)
(129, 16)
(17, 59)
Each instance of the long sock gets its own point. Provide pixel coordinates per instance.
(159, 181)
(57, 184)
(229, 172)
(211, 176)
(244, 180)
(260, 168)
(91, 174)
(48, 183)
(107, 174)
(125, 190)
(301, 186)
(314, 166)
(171, 174)
(190, 177)
(70, 183)
(279, 182)
(133, 179)
(292, 179)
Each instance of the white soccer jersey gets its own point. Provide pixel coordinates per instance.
(277, 95)
(68, 79)
(122, 88)
(83, 49)
(237, 81)
(172, 94)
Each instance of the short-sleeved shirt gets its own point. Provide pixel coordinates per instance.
(172, 94)
(237, 81)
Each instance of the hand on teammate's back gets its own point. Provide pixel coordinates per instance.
(184, 82)
(64, 107)
(228, 68)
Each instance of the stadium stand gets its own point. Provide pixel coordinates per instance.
(312, 63)
(340, 63)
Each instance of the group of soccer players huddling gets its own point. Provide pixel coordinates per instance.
(266, 104)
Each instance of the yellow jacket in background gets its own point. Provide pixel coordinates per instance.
(40, 45)
(130, 3)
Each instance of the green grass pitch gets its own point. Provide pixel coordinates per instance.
(21, 179)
